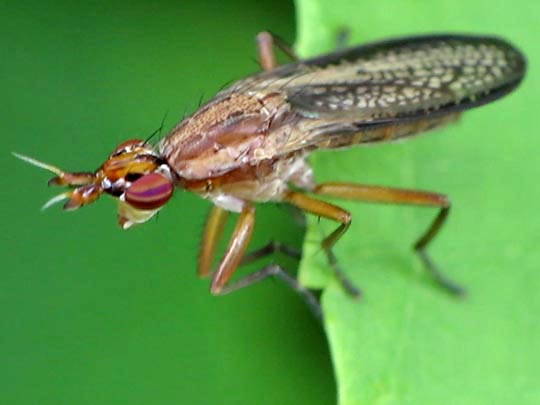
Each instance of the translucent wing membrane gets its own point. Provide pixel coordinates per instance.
(386, 90)
(407, 78)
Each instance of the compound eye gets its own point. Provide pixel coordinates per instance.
(149, 192)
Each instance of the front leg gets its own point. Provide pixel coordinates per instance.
(213, 230)
(235, 251)
(233, 258)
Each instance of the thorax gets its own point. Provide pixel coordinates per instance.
(226, 151)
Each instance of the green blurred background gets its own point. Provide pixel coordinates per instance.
(90, 314)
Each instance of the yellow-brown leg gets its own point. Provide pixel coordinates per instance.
(233, 257)
(267, 56)
(213, 230)
(235, 251)
(389, 195)
(333, 212)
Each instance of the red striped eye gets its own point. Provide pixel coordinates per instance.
(149, 192)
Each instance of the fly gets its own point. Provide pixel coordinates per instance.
(250, 143)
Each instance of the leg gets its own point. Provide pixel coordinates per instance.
(274, 270)
(233, 257)
(330, 211)
(213, 230)
(267, 57)
(342, 38)
(400, 196)
(237, 246)
(269, 249)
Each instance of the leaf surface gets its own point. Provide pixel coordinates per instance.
(406, 341)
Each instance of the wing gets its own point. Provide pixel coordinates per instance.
(371, 89)
(411, 76)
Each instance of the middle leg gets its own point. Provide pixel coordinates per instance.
(333, 212)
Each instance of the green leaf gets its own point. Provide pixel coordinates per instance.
(406, 341)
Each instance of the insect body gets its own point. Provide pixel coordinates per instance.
(250, 142)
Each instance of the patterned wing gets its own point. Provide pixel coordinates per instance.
(409, 78)
(385, 90)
